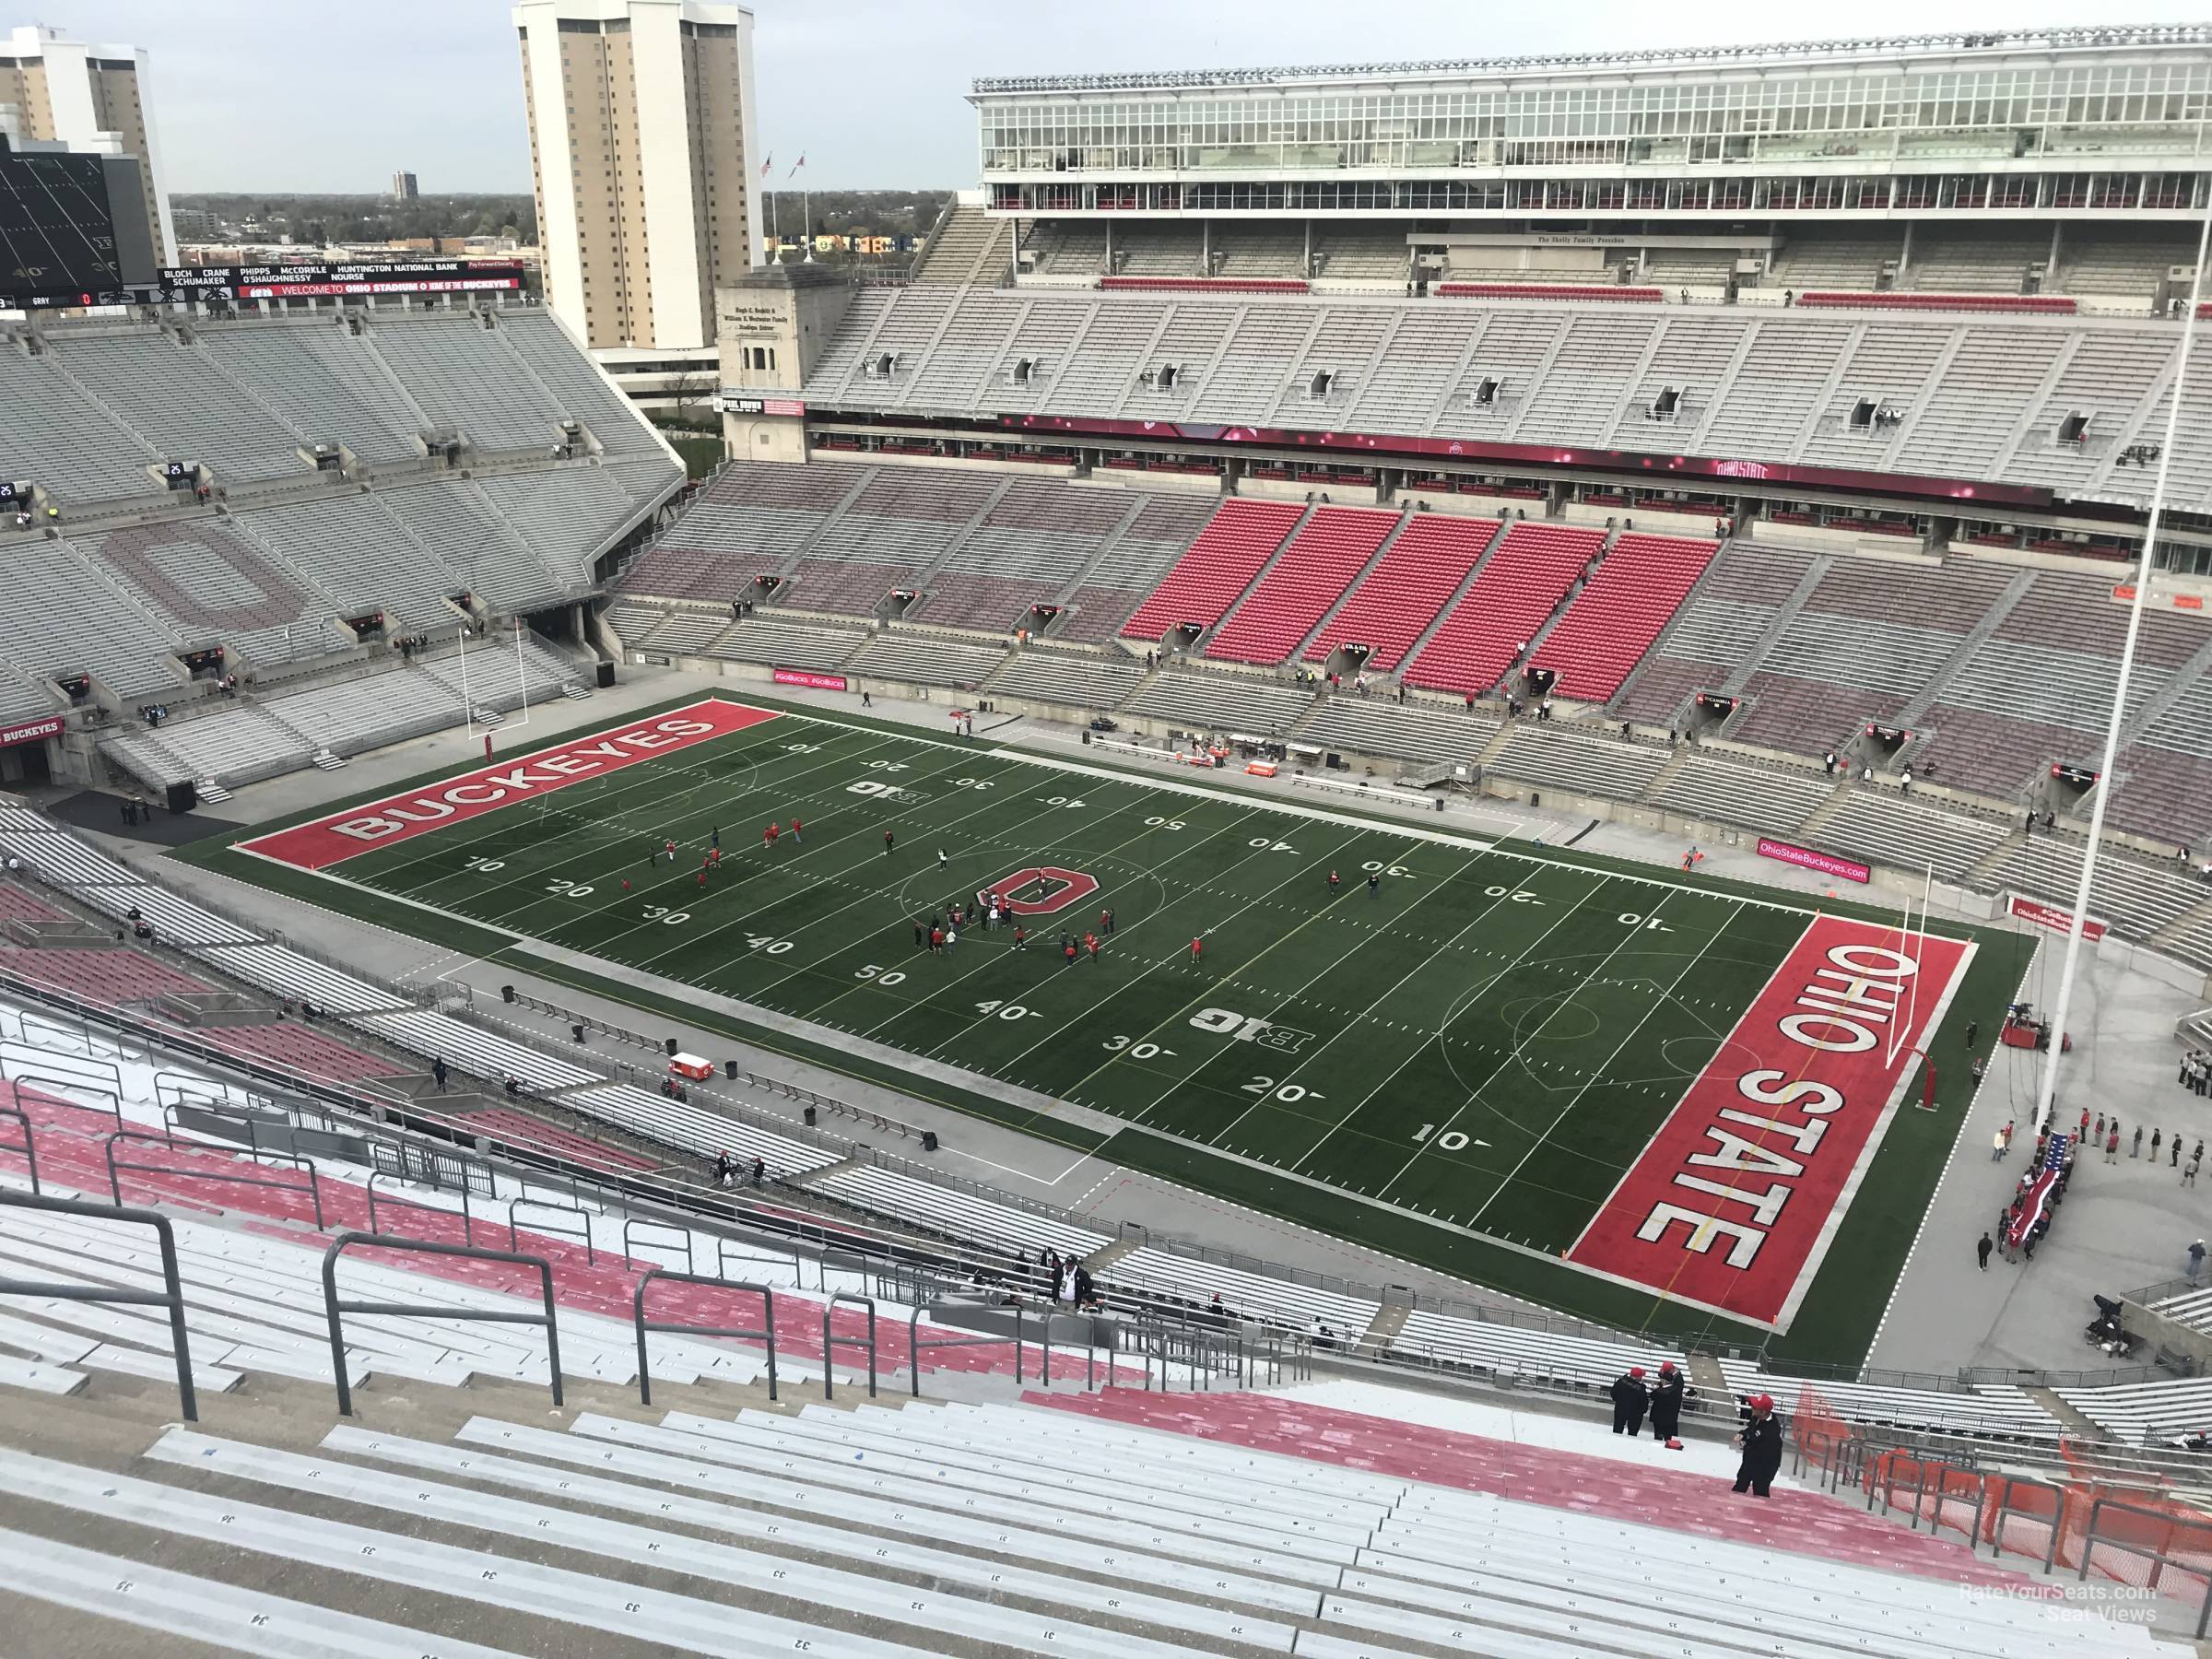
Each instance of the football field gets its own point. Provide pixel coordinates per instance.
(1532, 1050)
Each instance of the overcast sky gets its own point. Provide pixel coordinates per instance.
(289, 95)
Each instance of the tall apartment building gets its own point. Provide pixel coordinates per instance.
(640, 144)
(89, 97)
(404, 188)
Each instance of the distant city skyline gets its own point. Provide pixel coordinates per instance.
(250, 97)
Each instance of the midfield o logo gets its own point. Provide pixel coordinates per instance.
(1039, 890)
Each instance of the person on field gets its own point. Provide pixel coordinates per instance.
(1021, 936)
(1981, 1249)
(1630, 1399)
(1197, 948)
(1091, 943)
(1761, 1441)
(1374, 882)
(1067, 948)
(887, 843)
(1335, 882)
(1666, 1401)
(794, 832)
(937, 939)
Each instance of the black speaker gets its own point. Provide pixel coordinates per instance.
(929, 1140)
(606, 676)
(672, 1048)
(729, 1070)
(183, 796)
(506, 992)
(808, 1115)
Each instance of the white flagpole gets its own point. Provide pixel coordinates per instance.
(2046, 1096)
(522, 680)
(468, 704)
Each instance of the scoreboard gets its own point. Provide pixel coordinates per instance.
(57, 238)
(184, 285)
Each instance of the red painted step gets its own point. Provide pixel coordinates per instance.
(71, 1153)
(1801, 1522)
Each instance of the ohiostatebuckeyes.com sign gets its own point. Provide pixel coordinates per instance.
(342, 835)
(1734, 1202)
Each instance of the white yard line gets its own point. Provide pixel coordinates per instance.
(1359, 1019)
(1187, 848)
(1658, 1002)
(1069, 1092)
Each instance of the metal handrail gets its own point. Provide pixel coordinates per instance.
(634, 1221)
(767, 1333)
(170, 1295)
(468, 1228)
(333, 1307)
(183, 1085)
(61, 1082)
(1998, 1511)
(831, 1342)
(914, 1344)
(297, 1159)
(722, 1260)
(583, 1229)
(29, 1147)
(2158, 1559)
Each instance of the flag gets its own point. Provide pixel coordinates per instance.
(769, 163)
(2040, 1189)
(795, 166)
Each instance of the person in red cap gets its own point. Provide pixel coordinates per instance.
(1666, 1401)
(1629, 1398)
(1761, 1441)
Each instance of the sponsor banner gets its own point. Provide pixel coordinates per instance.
(1734, 1202)
(736, 403)
(2054, 917)
(32, 731)
(331, 840)
(812, 681)
(1828, 863)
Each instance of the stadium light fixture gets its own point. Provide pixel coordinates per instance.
(2048, 1095)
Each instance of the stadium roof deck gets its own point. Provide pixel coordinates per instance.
(2118, 37)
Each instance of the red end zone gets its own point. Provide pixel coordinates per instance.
(1734, 1204)
(329, 841)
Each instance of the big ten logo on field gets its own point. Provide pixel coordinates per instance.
(1251, 1027)
(883, 785)
(1038, 890)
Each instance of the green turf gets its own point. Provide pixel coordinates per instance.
(1453, 1065)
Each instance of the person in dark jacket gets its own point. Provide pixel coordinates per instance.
(1666, 1401)
(1629, 1398)
(1761, 1441)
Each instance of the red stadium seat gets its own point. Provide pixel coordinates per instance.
(1545, 290)
(1513, 597)
(1210, 284)
(1625, 606)
(1401, 596)
(1218, 567)
(1310, 576)
(2051, 304)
